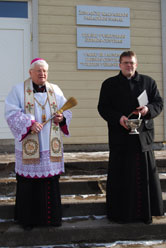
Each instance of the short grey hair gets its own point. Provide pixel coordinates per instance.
(39, 62)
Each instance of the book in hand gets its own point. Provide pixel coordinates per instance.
(143, 99)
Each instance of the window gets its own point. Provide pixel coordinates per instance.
(14, 9)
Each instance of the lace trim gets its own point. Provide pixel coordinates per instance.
(18, 123)
(45, 168)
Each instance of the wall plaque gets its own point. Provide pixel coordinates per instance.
(103, 59)
(103, 15)
(103, 37)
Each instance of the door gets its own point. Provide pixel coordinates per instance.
(15, 56)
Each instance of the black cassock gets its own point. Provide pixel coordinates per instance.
(133, 186)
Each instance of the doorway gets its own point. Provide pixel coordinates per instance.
(15, 50)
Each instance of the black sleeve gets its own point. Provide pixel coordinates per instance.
(105, 106)
(155, 104)
(62, 123)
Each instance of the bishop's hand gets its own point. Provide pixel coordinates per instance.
(36, 127)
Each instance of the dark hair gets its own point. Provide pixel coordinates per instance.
(127, 54)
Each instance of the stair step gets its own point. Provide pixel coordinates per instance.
(81, 230)
(85, 163)
(81, 195)
(72, 185)
(68, 210)
(68, 185)
(71, 206)
(83, 207)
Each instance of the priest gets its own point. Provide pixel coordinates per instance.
(133, 186)
(38, 147)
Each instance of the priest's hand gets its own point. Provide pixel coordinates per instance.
(58, 118)
(122, 122)
(143, 110)
(36, 127)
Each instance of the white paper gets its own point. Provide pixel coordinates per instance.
(143, 98)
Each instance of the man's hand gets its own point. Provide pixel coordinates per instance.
(58, 118)
(142, 110)
(36, 127)
(122, 122)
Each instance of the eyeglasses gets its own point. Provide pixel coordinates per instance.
(40, 71)
(126, 63)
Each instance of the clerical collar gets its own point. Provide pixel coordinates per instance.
(129, 78)
(39, 88)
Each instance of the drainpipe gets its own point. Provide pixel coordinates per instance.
(35, 41)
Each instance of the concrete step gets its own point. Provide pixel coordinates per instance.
(71, 207)
(81, 196)
(79, 163)
(83, 205)
(81, 231)
(68, 185)
(73, 185)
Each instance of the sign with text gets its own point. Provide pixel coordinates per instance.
(103, 15)
(103, 37)
(103, 59)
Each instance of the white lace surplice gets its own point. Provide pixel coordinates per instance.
(20, 122)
